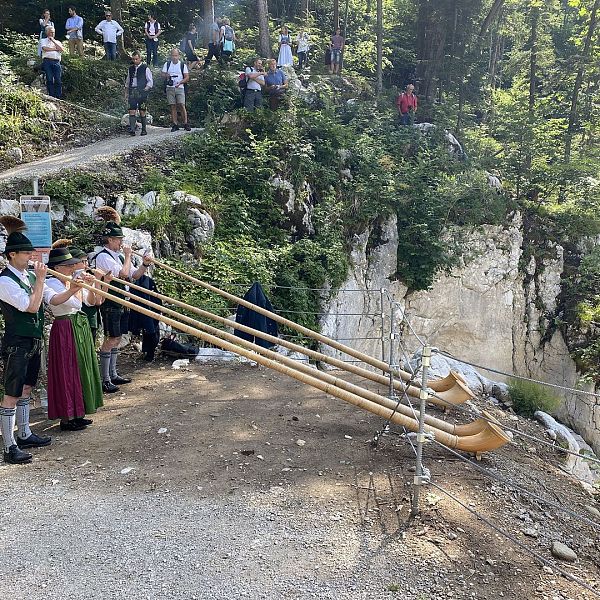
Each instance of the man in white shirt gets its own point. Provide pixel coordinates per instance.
(109, 30)
(74, 29)
(177, 75)
(138, 83)
(114, 317)
(255, 81)
(22, 294)
(52, 51)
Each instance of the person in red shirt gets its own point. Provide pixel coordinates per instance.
(407, 105)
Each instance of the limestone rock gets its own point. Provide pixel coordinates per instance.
(180, 197)
(563, 552)
(15, 154)
(203, 226)
(112, 83)
(10, 207)
(150, 199)
(91, 203)
(53, 110)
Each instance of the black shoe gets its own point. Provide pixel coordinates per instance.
(144, 132)
(14, 456)
(175, 127)
(132, 132)
(82, 421)
(109, 388)
(187, 127)
(71, 425)
(33, 441)
(120, 380)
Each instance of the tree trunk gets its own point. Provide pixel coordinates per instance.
(489, 18)
(336, 14)
(346, 9)
(305, 12)
(579, 79)
(120, 13)
(263, 28)
(379, 87)
(208, 14)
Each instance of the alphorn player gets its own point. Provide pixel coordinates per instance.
(114, 317)
(22, 294)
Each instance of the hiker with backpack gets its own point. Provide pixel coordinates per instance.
(255, 81)
(138, 84)
(227, 41)
(176, 75)
(152, 31)
(406, 102)
(188, 46)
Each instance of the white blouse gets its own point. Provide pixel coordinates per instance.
(72, 305)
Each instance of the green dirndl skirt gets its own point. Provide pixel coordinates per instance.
(89, 371)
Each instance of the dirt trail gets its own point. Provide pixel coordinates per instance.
(91, 155)
(192, 484)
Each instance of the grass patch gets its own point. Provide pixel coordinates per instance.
(527, 397)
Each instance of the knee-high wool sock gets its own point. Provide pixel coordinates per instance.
(114, 354)
(7, 426)
(22, 418)
(144, 121)
(105, 365)
(132, 122)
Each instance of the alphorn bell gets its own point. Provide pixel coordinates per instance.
(445, 398)
(490, 438)
(468, 429)
(456, 391)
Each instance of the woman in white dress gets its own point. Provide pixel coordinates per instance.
(285, 48)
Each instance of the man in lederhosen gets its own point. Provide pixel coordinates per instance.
(114, 317)
(22, 294)
(138, 84)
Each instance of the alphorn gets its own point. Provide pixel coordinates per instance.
(490, 438)
(453, 381)
(467, 429)
(445, 399)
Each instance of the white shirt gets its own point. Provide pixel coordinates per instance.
(72, 305)
(47, 43)
(109, 262)
(303, 45)
(252, 84)
(149, 78)
(12, 293)
(152, 28)
(174, 70)
(109, 30)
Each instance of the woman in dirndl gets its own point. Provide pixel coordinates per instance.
(285, 57)
(74, 386)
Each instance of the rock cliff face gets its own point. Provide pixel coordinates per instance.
(488, 310)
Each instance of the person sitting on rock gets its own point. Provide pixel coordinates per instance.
(138, 84)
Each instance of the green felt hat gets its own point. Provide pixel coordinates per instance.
(61, 256)
(78, 253)
(112, 230)
(17, 242)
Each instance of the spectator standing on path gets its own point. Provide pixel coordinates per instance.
(52, 51)
(255, 78)
(285, 57)
(176, 75)
(44, 22)
(188, 46)
(138, 84)
(276, 84)
(303, 43)
(152, 31)
(407, 105)
(227, 41)
(74, 29)
(109, 30)
(214, 43)
(337, 48)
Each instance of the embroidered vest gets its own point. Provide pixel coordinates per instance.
(19, 323)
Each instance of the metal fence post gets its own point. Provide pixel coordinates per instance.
(419, 479)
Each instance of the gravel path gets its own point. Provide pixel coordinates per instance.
(92, 154)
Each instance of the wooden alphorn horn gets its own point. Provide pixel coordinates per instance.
(490, 438)
(467, 429)
(411, 390)
(453, 381)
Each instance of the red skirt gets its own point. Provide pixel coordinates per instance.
(65, 395)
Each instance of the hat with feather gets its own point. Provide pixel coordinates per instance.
(113, 221)
(17, 241)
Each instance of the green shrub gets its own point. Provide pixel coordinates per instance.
(527, 397)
